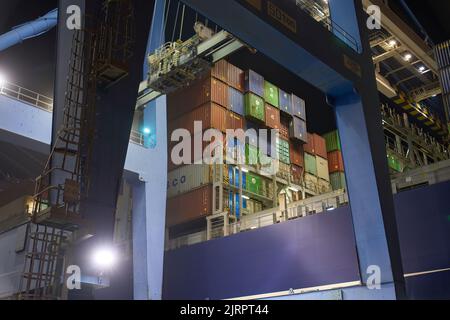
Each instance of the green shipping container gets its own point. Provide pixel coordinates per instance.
(337, 181)
(254, 183)
(254, 107)
(251, 155)
(310, 164)
(271, 94)
(333, 141)
(283, 151)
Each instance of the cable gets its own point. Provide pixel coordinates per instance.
(182, 21)
(176, 21)
(163, 30)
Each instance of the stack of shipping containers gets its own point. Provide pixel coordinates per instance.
(231, 98)
(335, 160)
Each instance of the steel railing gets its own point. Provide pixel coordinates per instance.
(45, 103)
(321, 14)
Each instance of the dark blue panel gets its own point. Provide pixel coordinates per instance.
(285, 102)
(236, 99)
(424, 228)
(435, 286)
(312, 251)
(254, 83)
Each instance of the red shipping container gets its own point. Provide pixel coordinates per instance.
(316, 145)
(220, 70)
(284, 128)
(210, 114)
(272, 117)
(189, 206)
(235, 121)
(202, 91)
(335, 162)
(297, 154)
(236, 77)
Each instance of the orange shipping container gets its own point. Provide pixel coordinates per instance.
(335, 162)
(272, 117)
(202, 91)
(189, 206)
(220, 70)
(210, 114)
(316, 145)
(236, 77)
(297, 174)
(284, 128)
(235, 121)
(297, 156)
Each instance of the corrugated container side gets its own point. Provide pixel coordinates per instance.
(236, 101)
(310, 164)
(297, 130)
(297, 157)
(220, 70)
(333, 142)
(254, 183)
(235, 121)
(271, 94)
(337, 180)
(189, 206)
(285, 102)
(298, 107)
(311, 181)
(253, 82)
(253, 135)
(199, 93)
(297, 174)
(187, 178)
(335, 161)
(284, 127)
(254, 107)
(236, 77)
(283, 151)
(322, 168)
(272, 117)
(316, 145)
(323, 186)
(284, 170)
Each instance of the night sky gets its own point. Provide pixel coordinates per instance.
(32, 63)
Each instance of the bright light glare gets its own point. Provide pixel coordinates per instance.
(105, 257)
(2, 79)
(147, 131)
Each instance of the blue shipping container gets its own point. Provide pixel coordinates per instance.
(298, 107)
(236, 101)
(285, 102)
(254, 83)
(253, 135)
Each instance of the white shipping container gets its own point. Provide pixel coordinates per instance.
(188, 178)
(322, 168)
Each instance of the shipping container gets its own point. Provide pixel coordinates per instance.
(298, 107)
(254, 107)
(296, 154)
(332, 140)
(211, 115)
(189, 206)
(284, 127)
(220, 70)
(285, 102)
(236, 101)
(235, 121)
(335, 161)
(297, 174)
(251, 155)
(395, 164)
(284, 170)
(252, 131)
(235, 77)
(323, 186)
(322, 168)
(310, 164)
(297, 130)
(316, 145)
(202, 91)
(311, 182)
(271, 94)
(188, 178)
(254, 83)
(283, 151)
(267, 189)
(272, 117)
(337, 180)
(254, 183)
